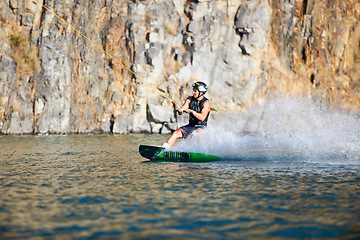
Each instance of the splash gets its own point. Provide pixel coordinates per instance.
(290, 128)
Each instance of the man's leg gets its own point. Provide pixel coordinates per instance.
(172, 139)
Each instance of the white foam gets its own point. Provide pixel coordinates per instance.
(282, 128)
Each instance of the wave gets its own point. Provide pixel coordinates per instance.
(283, 128)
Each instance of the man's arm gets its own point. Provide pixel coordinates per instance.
(204, 112)
(184, 106)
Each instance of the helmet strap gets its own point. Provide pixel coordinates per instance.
(200, 95)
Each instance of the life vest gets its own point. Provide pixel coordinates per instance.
(197, 106)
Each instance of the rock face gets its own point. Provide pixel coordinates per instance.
(53, 80)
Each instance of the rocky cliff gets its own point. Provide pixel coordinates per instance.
(53, 80)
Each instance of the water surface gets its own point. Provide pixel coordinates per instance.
(99, 187)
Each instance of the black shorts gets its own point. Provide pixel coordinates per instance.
(187, 130)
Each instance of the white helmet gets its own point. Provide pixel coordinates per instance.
(200, 86)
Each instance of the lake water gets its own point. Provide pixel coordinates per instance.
(99, 187)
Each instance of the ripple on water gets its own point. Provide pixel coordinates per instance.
(98, 187)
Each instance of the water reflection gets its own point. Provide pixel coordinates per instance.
(99, 187)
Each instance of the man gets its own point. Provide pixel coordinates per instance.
(198, 108)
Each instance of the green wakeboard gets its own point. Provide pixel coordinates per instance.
(161, 154)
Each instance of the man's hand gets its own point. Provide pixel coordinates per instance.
(188, 110)
(180, 111)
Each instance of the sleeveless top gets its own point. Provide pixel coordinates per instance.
(197, 106)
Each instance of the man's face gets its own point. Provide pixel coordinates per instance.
(196, 93)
